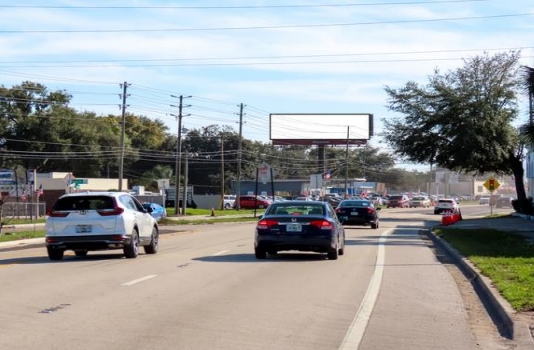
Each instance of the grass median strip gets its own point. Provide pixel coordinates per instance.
(15, 236)
(506, 258)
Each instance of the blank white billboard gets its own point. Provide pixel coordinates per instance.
(320, 128)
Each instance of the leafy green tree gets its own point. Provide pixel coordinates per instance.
(461, 120)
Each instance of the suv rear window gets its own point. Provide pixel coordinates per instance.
(450, 201)
(396, 197)
(84, 203)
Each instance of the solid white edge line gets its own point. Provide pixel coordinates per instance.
(220, 253)
(142, 279)
(356, 332)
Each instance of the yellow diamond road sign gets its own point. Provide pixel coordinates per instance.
(491, 184)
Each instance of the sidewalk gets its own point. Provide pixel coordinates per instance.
(505, 317)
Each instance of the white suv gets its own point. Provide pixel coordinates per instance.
(100, 221)
(229, 201)
(446, 205)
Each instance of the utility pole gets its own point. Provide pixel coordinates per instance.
(186, 174)
(178, 160)
(123, 131)
(239, 147)
(222, 172)
(347, 164)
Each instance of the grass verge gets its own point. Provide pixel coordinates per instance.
(231, 212)
(22, 235)
(507, 259)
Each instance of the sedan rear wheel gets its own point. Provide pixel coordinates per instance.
(260, 253)
(332, 254)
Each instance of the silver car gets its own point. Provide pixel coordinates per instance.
(90, 221)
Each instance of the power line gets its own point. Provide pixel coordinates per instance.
(282, 26)
(243, 7)
(383, 53)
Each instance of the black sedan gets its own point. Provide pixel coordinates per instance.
(359, 212)
(299, 225)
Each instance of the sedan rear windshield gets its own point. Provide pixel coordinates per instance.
(296, 209)
(362, 204)
(396, 197)
(84, 203)
(449, 201)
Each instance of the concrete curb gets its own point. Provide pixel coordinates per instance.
(23, 244)
(500, 310)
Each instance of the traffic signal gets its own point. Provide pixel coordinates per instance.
(491, 184)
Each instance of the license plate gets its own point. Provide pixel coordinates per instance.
(354, 213)
(294, 228)
(84, 228)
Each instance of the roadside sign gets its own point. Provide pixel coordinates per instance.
(491, 184)
(264, 173)
(79, 181)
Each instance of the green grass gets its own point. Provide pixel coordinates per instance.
(7, 221)
(185, 221)
(207, 212)
(21, 235)
(507, 259)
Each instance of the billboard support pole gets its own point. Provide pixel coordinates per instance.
(347, 164)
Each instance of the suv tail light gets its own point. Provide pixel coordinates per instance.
(321, 224)
(110, 212)
(57, 214)
(266, 224)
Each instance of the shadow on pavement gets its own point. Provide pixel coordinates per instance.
(281, 256)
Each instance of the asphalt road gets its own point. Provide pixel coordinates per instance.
(205, 290)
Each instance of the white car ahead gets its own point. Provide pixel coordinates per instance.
(100, 221)
(446, 205)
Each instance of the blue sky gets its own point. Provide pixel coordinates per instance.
(290, 56)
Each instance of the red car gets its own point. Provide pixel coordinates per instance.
(251, 202)
(398, 201)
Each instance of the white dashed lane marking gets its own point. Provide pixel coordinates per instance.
(221, 252)
(142, 279)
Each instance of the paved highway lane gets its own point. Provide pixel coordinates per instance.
(205, 290)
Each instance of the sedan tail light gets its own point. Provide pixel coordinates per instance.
(371, 210)
(321, 224)
(266, 224)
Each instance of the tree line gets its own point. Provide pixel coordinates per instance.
(42, 132)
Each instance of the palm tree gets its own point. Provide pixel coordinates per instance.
(527, 130)
(528, 83)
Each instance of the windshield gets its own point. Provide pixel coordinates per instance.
(84, 203)
(361, 204)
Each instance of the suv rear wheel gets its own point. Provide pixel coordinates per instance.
(152, 248)
(55, 254)
(131, 251)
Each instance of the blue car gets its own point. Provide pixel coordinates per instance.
(158, 212)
